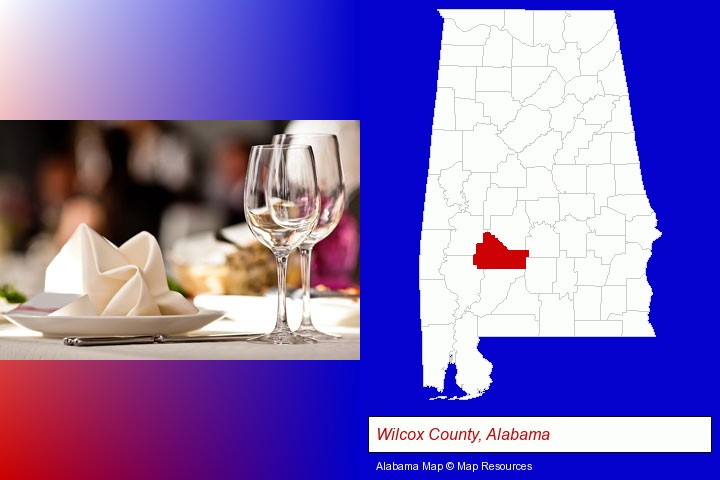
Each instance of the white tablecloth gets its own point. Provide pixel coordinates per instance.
(20, 344)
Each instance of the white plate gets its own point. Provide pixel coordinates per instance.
(259, 313)
(108, 326)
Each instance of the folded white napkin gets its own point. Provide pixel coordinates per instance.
(115, 281)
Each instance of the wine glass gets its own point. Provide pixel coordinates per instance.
(281, 208)
(331, 187)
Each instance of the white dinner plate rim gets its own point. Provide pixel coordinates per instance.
(59, 326)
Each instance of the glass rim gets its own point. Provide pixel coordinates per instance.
(304, 135)
(278, 146)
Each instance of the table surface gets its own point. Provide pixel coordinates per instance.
(18, 343)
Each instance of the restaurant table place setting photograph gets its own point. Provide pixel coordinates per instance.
(221, 290)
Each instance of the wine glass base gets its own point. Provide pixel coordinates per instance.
(312, 332)
(282, 338)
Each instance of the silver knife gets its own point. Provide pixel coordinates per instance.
(159, 338)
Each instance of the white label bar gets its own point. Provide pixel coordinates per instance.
(540, 434)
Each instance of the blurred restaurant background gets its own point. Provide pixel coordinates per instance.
(182, 181)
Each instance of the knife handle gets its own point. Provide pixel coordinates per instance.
(92, 341)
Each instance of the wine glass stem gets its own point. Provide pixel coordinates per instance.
(305, 257)
(282, 324)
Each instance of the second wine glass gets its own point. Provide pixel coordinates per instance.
(282, 208)
(331, 188)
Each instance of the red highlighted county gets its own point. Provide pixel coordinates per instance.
(491, 253)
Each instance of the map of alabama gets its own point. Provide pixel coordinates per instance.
(536, 220)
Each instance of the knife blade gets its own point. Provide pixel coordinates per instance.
(159, 338)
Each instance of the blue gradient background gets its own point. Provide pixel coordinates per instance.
(178, 59)
(376, 61)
